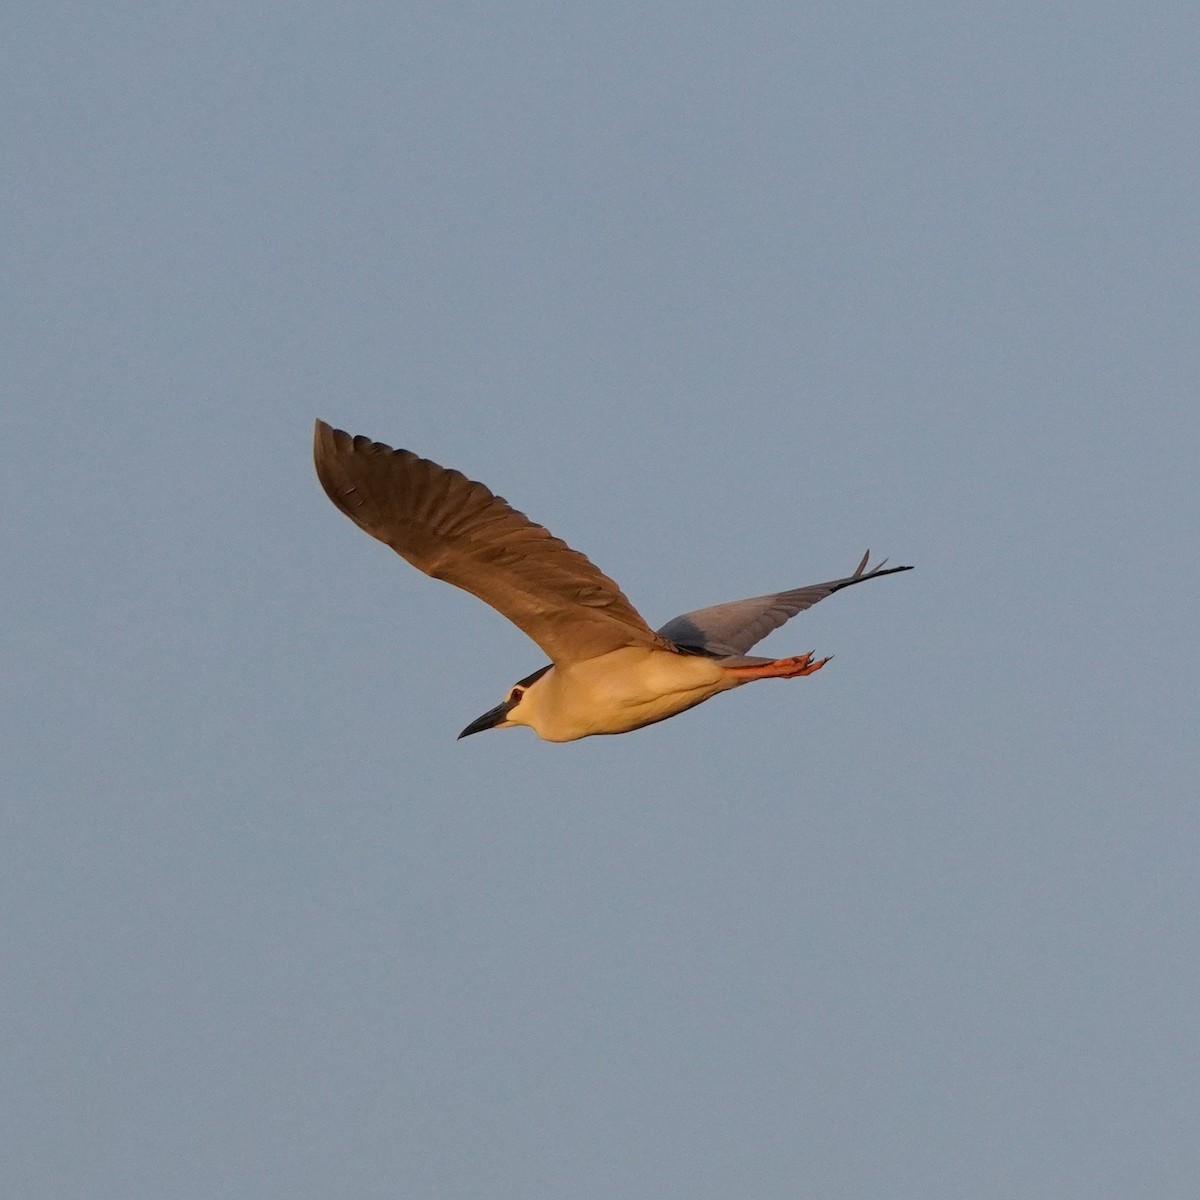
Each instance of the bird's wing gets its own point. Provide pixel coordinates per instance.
(457, 530)
(731, 629)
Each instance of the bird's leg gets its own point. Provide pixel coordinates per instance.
(781, 668)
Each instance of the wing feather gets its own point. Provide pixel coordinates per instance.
(456, 530)
(731, 629)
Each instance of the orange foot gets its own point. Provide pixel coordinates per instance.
(781, 668)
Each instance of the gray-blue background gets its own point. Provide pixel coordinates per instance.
(724, 294)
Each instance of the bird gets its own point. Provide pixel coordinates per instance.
(609, 672)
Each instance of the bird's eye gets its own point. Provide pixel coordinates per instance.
(515, 695)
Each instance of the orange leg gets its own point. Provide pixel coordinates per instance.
(781, 668)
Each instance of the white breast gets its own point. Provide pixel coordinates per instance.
(617, 692)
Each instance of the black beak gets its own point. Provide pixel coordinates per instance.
(489, 720)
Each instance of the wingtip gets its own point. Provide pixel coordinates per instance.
(326, 439)
(880, 568)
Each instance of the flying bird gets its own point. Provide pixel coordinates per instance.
(609, 672)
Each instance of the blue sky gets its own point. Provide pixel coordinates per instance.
(722, 294)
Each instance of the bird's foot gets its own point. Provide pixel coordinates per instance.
(781, 668)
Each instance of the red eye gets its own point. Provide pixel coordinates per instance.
(515, 695)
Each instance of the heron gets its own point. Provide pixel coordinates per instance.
(609, 672)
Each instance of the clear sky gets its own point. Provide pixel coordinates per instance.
(723, 294)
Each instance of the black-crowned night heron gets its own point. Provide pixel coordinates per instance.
(609, 672)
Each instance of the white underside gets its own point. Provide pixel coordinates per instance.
(619, 691)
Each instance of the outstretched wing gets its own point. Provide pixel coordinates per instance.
(457, 530)
(731, 629)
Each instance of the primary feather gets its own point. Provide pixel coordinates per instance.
(731, 629)
(455, 529)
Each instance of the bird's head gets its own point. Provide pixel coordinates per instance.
(517, 708)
